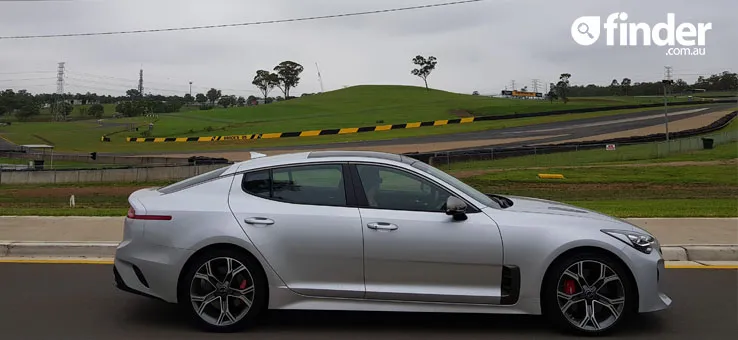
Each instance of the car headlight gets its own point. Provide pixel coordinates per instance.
(642, 242)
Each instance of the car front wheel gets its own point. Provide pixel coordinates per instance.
(589, 294)
(223, 291)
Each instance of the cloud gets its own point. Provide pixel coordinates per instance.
(481, 46)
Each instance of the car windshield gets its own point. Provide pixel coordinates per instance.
(458, 184)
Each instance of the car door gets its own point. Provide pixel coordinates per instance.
(301, 220)
(413, 251)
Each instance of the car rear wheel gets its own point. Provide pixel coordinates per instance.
(589, 294)
(223, 291)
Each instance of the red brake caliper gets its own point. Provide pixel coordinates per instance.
(243, 284)
(570, 287)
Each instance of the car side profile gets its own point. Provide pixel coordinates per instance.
(369, 231)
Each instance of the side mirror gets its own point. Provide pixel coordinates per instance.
(456, 208)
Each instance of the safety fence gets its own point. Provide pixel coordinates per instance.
(413, 125)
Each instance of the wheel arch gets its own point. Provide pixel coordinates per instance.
(589, 249)
(214, 247)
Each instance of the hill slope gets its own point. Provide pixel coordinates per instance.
(354, 107)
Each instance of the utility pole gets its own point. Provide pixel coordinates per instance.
(667, 81)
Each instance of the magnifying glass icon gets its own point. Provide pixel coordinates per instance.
(584, 29)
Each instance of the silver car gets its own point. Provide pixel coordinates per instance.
(367, 231)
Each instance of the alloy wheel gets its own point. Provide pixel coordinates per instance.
(591, 295)
(222, 291)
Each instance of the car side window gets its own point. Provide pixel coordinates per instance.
(321, 184)
(389, 188)
(257, 183)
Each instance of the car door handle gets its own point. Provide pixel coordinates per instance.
(259, 220)
(381, 226)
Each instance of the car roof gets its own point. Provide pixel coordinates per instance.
(291, 158)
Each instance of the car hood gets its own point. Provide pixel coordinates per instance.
(541, 206)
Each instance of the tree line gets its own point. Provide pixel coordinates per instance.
(724, 81)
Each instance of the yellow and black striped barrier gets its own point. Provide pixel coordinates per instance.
(310, 133)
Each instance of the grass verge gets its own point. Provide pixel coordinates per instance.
(659, 191)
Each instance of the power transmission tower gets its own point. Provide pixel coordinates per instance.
(60, 79)
(320, 78)
(141, 82)
(667, 81)
(512, 82)
(55, 105)
(535, 85)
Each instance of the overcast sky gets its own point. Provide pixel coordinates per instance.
(479, 46)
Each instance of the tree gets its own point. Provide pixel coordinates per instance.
(188, 98)
(288, 76)
(96, 110)
(213, 95)
(625, 85)
(265, 81)
(562, 87)
(26, 110)
(200, 98)
(227, 101)
(426, 66)
(133, 94)
(241, 101)
(551, 95)
(614, 85)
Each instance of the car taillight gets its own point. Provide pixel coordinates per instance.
(132, 215)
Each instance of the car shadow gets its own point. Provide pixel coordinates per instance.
(155, 314)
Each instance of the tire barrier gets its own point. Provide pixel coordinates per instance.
(478, 154)
(327, 132)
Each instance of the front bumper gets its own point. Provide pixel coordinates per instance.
(648, 271)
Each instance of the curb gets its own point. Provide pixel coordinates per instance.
(107, 250)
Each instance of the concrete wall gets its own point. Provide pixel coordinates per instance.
(85, 158)
(105, 175)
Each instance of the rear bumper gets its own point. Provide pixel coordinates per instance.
(147, 269)
(120, 284)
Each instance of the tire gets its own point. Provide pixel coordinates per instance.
(245, 284)
(561, 289)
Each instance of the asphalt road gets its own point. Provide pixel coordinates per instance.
(580, 128)
(65, 301)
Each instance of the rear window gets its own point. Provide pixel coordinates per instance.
(193, 181)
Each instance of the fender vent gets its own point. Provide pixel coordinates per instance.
(510, 285)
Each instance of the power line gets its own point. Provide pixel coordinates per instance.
(254, 23)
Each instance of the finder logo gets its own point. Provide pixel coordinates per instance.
(682, 39)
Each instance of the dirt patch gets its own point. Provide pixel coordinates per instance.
(461, 113)
(472, 173)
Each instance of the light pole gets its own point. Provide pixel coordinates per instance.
(190, 89)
